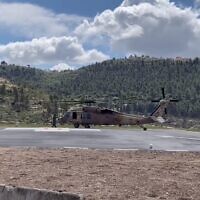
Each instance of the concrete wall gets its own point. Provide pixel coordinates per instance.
(17, 193)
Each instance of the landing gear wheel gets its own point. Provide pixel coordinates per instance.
(87, 126)
(144, 128)
(76, 125)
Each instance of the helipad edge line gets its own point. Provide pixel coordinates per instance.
(178, 150)
(16, 128)
(80, 148)
(51, 129)
(125, 149)
(84, 129)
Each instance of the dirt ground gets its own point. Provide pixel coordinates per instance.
(105, 175)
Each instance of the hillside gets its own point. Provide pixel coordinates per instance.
(142, 77)
(134, 76)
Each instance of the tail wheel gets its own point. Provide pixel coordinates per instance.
(76, 125)
(144, 128)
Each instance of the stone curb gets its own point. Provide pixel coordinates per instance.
(23, 193)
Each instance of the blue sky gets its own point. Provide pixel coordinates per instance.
(78, 7)
(83, 7)
(89, 8)
(72, 33)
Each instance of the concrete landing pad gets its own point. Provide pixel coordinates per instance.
(167, 140)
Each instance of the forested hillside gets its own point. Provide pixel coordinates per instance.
(141, 77)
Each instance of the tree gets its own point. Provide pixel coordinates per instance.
(3, 89)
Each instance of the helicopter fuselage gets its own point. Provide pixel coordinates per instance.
(103, 117)
(92, 115)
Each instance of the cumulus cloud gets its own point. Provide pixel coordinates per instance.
(132, 2)
(30, 21)
(197, 3)
(48, 37)
(50, 51)
(61, 67)
(153, 27)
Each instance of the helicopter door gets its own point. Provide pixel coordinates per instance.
(86, 117)
(74, 115)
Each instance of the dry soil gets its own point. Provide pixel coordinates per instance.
(105, 175)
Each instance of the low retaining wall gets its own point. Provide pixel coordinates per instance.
(18, 193)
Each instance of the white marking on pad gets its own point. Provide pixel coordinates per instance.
(165, 136)
(18, 129)
(125, 149)
(185, 138)
(84, 129)
(47, 129)
(178, 150)
(52, 130)
(80, 148)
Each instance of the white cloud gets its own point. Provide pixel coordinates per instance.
(30, 21)
(49, 35)
(152, 27)
(61, 67)
(132, 2)
(50, 51)
(197, 3)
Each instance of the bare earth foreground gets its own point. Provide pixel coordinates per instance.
(101, 174)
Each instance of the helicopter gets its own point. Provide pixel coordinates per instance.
(93, 115)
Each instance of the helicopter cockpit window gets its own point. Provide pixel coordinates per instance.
(67, 115)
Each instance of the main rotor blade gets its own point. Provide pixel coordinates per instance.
(174, 100)
(155, 100)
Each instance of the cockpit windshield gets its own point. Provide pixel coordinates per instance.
(67, 114)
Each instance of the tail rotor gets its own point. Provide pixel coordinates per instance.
(161, 109)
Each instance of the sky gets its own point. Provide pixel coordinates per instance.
(68, 34)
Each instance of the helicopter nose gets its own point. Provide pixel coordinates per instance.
(63, 119)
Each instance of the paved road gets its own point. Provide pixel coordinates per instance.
(168, 140)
